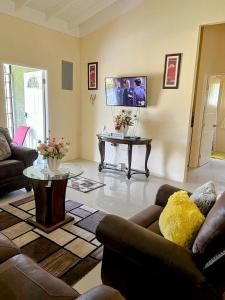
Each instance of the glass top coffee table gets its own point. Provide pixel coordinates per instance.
(49, 194)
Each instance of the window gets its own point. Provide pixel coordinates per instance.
(8, 98)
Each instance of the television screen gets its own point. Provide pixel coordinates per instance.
(126, 91)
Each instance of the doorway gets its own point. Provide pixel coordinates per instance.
(26, 101)
(211, 156)
(209, 129)
(211, 118)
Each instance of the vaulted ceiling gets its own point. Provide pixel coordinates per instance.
(75, 17)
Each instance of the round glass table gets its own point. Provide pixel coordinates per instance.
(49, 194)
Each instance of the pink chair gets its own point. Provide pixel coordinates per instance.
(20, 135)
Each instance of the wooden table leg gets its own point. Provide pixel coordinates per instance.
(101, 145)
(50, 204)
(129, 160)
(148, 150)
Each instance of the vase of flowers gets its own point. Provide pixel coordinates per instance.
(53, 151)
(123, 120)
(53, 163)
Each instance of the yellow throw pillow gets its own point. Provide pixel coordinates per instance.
(181, 220)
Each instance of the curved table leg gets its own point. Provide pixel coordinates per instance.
(101, 145)
(148, 150)
(129, 160)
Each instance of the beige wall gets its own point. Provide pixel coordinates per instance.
(211, 62)
(136, 43)
(27, 44)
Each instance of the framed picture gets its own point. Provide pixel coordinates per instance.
(93, 76)
(172, 71)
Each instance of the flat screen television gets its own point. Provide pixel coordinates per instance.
(126, 91)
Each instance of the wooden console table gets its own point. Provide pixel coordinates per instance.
(130, 143)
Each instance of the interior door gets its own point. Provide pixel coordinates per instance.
(35, 107)
(209, 119)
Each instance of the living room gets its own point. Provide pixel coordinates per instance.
(125, 38)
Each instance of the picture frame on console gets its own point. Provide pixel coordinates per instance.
(93, 76)
(172, 71)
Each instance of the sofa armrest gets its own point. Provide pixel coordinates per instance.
(147, 216)
(101, 292)
(23, 279)
(164, 192)
(27, 155)
(148, 250)
(7, 248)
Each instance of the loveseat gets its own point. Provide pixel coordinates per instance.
(23, 279)
(11, 169)
(140, 263)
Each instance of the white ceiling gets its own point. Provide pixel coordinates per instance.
(75, 17)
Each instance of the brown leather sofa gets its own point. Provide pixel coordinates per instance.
(23, 279)
(140, 263)
(11, 169)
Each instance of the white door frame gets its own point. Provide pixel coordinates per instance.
(204, 97)
(45, 91)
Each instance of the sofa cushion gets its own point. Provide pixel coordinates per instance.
(5, 150)
(11, 168)
(5, 132)
(154, 227)
(7, 248)
(22, 279)
(180, 220)
(211, 237)
(204, 197)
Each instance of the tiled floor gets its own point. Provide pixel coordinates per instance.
(125, 197)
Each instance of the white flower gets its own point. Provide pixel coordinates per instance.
(52, 148)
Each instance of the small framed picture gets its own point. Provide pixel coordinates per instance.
(172, 71)
(93, 76)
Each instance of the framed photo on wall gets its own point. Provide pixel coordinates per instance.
(93, 76)
(172, 71)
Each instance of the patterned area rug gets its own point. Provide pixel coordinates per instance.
(69, 252)
(83, 184)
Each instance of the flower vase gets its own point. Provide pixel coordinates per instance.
(124, 130)
(53, 163)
